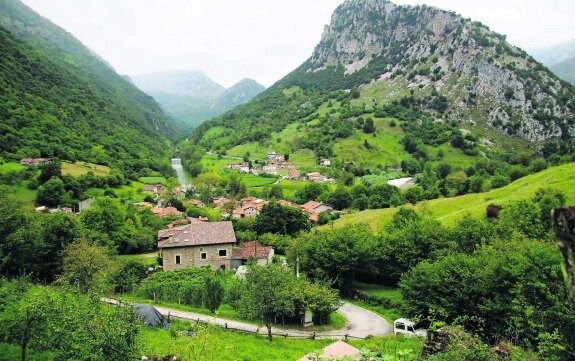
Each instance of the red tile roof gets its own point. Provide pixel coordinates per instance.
(166, 212)
(310, 206)
(196, 234)
(252, 249)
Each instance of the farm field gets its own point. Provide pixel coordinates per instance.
(80, 168)
(449, 210)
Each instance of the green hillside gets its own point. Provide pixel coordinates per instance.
(446, 104)
(58, 99)
(449, 210)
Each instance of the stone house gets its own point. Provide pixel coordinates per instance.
(197, 244)
(252, 250)
(153, 188)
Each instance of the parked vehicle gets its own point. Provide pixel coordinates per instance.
(407, 327)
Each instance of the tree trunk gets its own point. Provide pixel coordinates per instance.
(23, 354)
(269, 327)
(564, 221)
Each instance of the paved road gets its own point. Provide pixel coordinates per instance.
(360, 323)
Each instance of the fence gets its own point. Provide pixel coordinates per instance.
(263, 331)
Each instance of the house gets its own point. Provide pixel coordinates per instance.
(313, 207)
(286, 165)
(194, 203)
(274, 157)
(221, 201)
(197, 244)
(166, 212)
(294, 174)
(315, 177)
(153, 188)
(252, 250)
(242, 167)
(35, 161)
(336, 351)
(325, 162)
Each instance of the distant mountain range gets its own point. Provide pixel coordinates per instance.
(559, 58)
(191, 97)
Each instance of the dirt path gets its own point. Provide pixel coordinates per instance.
(361, 323)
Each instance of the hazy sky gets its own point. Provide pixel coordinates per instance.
(259, 39)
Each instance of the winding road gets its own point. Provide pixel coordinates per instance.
(361, 323)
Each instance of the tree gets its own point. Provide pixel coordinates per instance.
(455, 184)
(275, 218)
(276, 192)
(267, 294)
(213, 293)
(51, 193)
(414, 194)
(86, 267)
(59, 230)
(368, 126)
(340, 198)
(24, 321)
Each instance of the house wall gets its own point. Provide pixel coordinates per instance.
(322, 208)
(191, 257)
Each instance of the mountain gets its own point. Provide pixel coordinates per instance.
(559, 58)
(565, 70)
(191, 97)
(555, 54)
(449, 81)
(59, 99)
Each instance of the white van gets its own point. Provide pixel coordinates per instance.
(407, 328)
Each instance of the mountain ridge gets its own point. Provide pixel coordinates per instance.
(190, 96)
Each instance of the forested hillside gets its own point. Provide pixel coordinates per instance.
(58, 99)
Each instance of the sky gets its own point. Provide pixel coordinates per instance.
(260, 39)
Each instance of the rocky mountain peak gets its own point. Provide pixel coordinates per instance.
(436, 52)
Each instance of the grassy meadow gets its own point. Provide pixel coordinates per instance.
(80, 168)
(215, 343)
(449, 210)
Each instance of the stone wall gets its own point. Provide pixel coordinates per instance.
(191, 256)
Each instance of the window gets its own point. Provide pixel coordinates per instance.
(178, 259)
(203, 255)
(400, 326)
(410, 329)
(223, 267)
(222, 252)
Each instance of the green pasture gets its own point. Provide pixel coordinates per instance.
(81, 168)
(449, 210)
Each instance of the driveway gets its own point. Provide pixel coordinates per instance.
(361, 323)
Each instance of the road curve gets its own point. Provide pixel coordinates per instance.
(361, 323)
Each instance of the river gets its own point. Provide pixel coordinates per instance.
(177, 165)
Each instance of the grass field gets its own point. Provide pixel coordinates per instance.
(449, 210)
(130, 193)
(22, 193)
(149, 259)
(153, 180)
(230, 345)
(11, 167)
(81, 168)
(212, 163)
